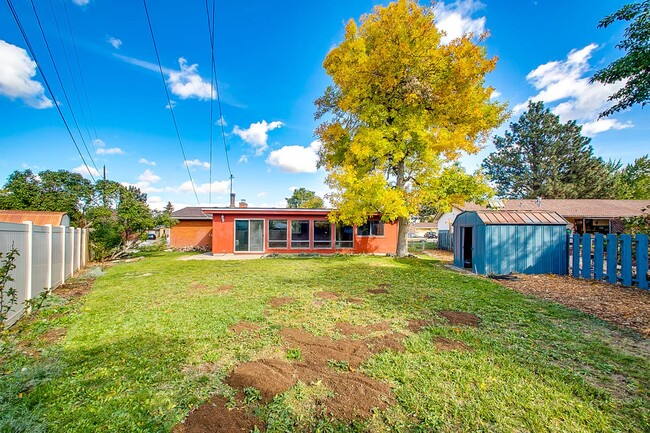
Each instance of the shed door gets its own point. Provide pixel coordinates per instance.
(467, 247)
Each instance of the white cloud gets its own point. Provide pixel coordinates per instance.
(296, 159)
(217, 187)
(495, 94)
(601, 125)
(147, 162)
(144, 187)
(197, 163)
(86, 171)
(257, 134)
(292, 188)
(99, 142)
(187, 83)
(16, 72)
(564, 82)
(81, 2)
(261, 194)
(243, 159)
(456, 19)
(149, 176)
(221, 122)
(171, 104)
(115, 42)
(109, 151)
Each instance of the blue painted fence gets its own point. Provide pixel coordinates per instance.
(611, 258)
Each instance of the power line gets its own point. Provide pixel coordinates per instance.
(47, 84)
(74, 82)
(81, 75)
(211, 30)
(216, 83)
(65, 94)
(171, 108)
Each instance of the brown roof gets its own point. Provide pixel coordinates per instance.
(589, 208)
(424, 225)
(190, 213)
(496, 217)
(38, 218)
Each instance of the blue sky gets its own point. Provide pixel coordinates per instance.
(269, 64)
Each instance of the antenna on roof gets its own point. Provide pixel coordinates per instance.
(538, 202)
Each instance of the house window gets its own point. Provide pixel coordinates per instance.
(277, 233)
(344, 236)
(249, 235)
(300, 234)
(322, 234)
(371, 228)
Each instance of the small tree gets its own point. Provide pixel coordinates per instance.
(633, 182)
(634, 67)
(639, 224)
(303, 198)
(401, 110)
(541, 157)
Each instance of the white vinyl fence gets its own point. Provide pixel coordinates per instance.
(48, 257)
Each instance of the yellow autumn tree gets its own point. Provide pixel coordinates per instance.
(402, 109)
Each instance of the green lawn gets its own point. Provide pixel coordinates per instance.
(134, 355)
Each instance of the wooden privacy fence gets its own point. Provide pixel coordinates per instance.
(48, 256)
(445, 241)
(613, 258)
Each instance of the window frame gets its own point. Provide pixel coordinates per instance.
(286, 237)
(371, 233)
(337, 242)
(308, 241)
(315, 242)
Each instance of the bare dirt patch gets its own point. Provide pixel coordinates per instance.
(460, 318)
(244, 327)
(354, 300)
(350, 329)
(444, 344)
(442, 255)
(197, 285)
(416, 325)
(623, 306)
(327, 295)
(283, 300)
(214, 416)
(203, 288)
(74, 289)
(53, 335)
(377, 291)
(319, 350)
(270, 376)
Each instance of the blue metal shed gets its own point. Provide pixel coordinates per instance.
(501, 242)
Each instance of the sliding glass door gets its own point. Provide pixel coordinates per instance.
(249, 235)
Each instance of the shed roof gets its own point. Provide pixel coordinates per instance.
(583, 208)
(39, 218)
(190, 213)
(500, 217)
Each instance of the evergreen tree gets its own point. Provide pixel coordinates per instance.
(633, 182)
(541, 157)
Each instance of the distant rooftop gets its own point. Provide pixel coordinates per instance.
(589, 208)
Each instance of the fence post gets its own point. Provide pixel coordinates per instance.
(49, 258)
(84, 249)
(71, 252)
(642, 261)
(586, 256)
(62, 254)
(612, 258)
(78, 251)
(28, 259)
(576, 255)
(626, 260)
(598, 256)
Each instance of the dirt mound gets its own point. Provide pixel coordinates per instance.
(241, 327)
(460, 318)
(213, 416)
(269, 376)
(416, 325)
(392, 342)
(350, 329)
(319, 350)
(444, 344)
(278, 302)
(354, 300)
(74, 289)
(377, 291)
(327, 295)
(355, 395)
(53, 335)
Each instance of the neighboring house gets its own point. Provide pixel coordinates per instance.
(421, 229)
(38, 218)
(583, 215)
(193, 230)
(241, 230)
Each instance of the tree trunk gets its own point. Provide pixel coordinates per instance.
(402, 240)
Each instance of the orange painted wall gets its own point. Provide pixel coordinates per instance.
(188, 233)
(224, 234)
